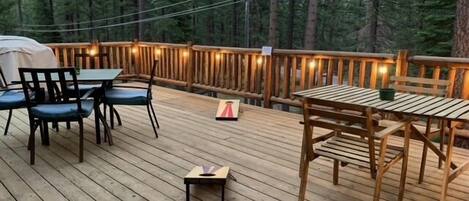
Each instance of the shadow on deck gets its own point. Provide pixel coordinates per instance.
(262, 148)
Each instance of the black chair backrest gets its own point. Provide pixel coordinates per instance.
(3, 81)
(33, 79)
(152, 75)
(84, 56)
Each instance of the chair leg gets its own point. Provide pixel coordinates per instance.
(335, 180)
(304, 178)
(111, 115)
(32, 143)
(380, 175)
(423, 163)
(118, 117)
(10, 112)
(80, 123)
(154, 115)
(151, 119)
(404, 163)
(442, 142)
(45, 133)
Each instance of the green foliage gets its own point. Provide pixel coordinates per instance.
(7, 12)
(436, 32)
(422, 26)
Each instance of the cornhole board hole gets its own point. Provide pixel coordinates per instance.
(207, 175)
(228, 110)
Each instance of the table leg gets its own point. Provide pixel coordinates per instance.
(222, 192)
(188, 194)
(447, 166)
(96, 120)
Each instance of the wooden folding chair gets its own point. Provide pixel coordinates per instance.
(425, 86)
(354, 140)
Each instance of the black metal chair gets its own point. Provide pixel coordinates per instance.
(48, 104)
(133, 95)
(84, 87)
(10, 99)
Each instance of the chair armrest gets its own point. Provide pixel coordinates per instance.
(87, 94)
(10, 89)
(391, 129)
(130, 87)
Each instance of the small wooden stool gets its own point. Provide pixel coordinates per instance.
(206, 175)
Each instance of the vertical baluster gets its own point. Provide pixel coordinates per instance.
(374, 75)
(311, 69)
(340, 71)
(286, 78)
(452, 79)
(330, 71)
(351, 72)
(362, 74)
(303, 73)
(319, 77)
(293, 76)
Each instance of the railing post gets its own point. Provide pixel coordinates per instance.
(402, 63)
(268, 81)
(190, 67)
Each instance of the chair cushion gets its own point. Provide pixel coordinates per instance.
(121, 96)
(62, 111)
(12, 99)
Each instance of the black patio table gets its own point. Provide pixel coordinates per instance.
(105, 77)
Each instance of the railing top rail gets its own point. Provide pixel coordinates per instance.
(383, 56)
(440, 61)
(163, 44)
(225, 49)
(67, 44)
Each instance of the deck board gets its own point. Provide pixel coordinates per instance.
(262, 149)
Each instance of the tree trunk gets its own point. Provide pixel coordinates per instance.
(234, 31)
(273, 23)
(20, 15)
(291, 23)
(373, 12)
(91, 18)
(310, 30)
(139, 28)
(461, 38)
(461, 31)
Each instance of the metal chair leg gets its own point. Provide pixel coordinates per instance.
(151, 119)
(118, 117)
(111, 115)
(154, 115)
(80, 123)
(10, 112)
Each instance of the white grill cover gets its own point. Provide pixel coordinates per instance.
(16, 51)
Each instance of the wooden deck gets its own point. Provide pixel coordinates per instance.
(262, 148)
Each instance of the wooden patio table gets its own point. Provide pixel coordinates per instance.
(452, 110)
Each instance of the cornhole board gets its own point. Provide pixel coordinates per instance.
(207, 175)
(228, 110)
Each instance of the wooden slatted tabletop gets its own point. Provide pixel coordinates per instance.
(408, 104)
(449, 109)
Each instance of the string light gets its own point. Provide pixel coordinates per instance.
(92, 51)
(259, 60)
(217, 56)
(383, 70)
(134, 50)
(158, 52)
(312, 64)
(185, 53)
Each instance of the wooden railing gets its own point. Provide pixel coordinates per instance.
(269, 79)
